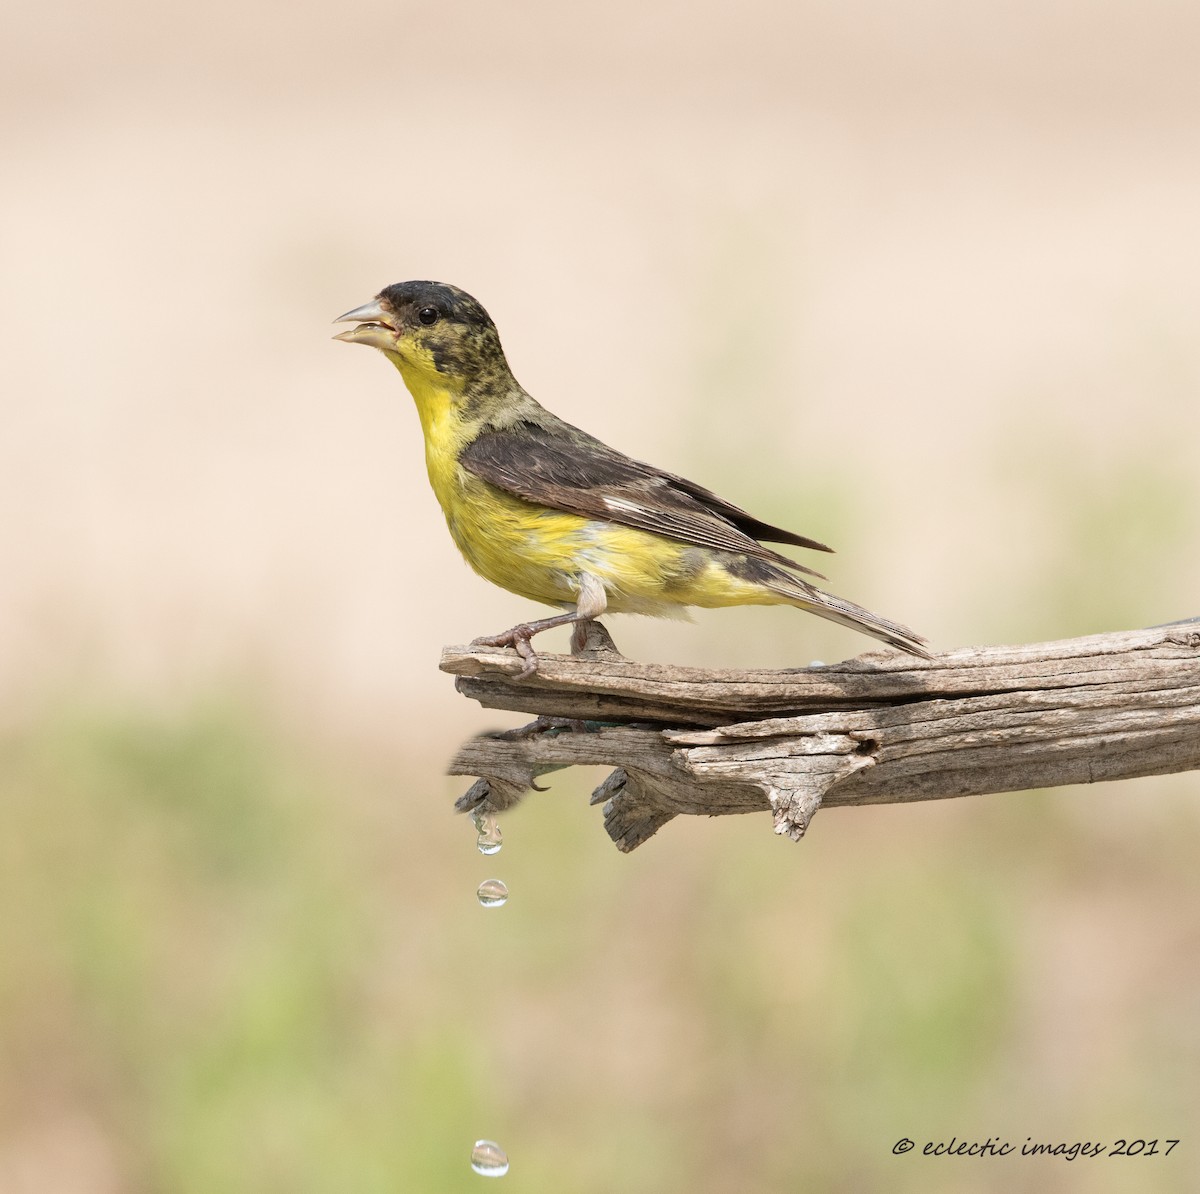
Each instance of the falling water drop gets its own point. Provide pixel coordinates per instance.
(489, 1159)
(492, 893)
(490, 838)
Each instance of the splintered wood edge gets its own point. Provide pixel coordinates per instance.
(881, 728)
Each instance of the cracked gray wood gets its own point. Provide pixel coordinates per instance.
(880, 728)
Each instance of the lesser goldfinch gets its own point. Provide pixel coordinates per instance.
(549, 512)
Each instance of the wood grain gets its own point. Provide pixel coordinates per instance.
(880, 728)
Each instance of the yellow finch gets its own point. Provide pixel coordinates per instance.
(547, 511)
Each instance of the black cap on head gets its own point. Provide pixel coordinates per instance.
(450, 302)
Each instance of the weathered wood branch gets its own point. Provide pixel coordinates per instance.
(881, 728)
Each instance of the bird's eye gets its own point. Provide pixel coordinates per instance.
(428, 315)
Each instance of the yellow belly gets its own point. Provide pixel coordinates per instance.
(540, 553)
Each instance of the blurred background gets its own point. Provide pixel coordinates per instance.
(921, 281)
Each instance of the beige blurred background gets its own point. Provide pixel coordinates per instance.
(922, 281)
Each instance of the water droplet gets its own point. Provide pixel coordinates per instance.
(492, 893)
(488, 1158)
(817, 663)
(490, 838)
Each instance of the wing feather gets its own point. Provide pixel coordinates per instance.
(572, 471)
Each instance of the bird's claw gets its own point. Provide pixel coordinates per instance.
(519, 639)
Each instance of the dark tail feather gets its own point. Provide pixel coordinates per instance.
(837, 609)
(801, 594)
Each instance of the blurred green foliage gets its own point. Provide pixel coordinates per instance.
(235, 959)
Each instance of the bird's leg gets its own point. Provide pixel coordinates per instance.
(591, 604)
(518, 638)
(596, 641)
(579, 636)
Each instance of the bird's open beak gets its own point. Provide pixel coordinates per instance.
(372, 326)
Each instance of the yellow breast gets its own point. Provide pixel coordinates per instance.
(538, 552)
(526, 549)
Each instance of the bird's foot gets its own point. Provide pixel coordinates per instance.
(579, 636)
(590, 638)
(517, 638)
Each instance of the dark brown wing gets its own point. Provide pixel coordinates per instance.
(754, 527)
(574, 472)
